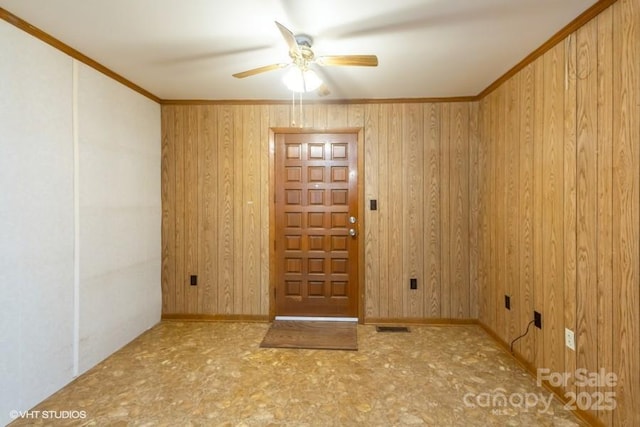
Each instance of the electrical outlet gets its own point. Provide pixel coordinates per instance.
(507, 302)
(413, 283)
(569, 339)
(537, 319)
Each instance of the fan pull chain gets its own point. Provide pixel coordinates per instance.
(293, 109)
(301, 116)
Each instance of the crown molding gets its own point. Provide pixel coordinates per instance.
(52, 41)
(567, 30)
(574, 25)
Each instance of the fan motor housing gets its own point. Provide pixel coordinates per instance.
(304, 40)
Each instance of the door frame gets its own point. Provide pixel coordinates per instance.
(359, 132)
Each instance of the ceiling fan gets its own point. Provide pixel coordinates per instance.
(301, 78)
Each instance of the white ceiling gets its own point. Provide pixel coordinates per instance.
(188, 49)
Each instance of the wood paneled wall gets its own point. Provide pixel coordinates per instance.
(559, 207)
(418, 160)
(534, 192)
(215, 192)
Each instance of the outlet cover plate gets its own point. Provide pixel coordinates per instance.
(570, 339)
(537, 319)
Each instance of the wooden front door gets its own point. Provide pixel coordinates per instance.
(317, 224)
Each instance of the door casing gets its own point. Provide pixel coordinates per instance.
(272, 209)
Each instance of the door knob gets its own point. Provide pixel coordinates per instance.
(352, 220)
(352, 232)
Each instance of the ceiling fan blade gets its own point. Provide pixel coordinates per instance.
(348, 60)
(258, 70)
(294, 49)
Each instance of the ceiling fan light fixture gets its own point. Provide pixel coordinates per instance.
(299, 80)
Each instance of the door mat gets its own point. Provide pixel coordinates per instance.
(312, 335)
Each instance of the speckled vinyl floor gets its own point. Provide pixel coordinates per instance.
(201, 374)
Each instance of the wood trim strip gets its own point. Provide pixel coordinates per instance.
(50, 40)
(578, 22)
(362, 296)
(573, 26)
(353, 130)
(418, 321)
(568, 29)
(216, 317)
(317, 102)
(272, 224)
(531, 369)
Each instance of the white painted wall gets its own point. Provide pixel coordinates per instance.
(79, 266)
(119, 147)
(36, 221)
